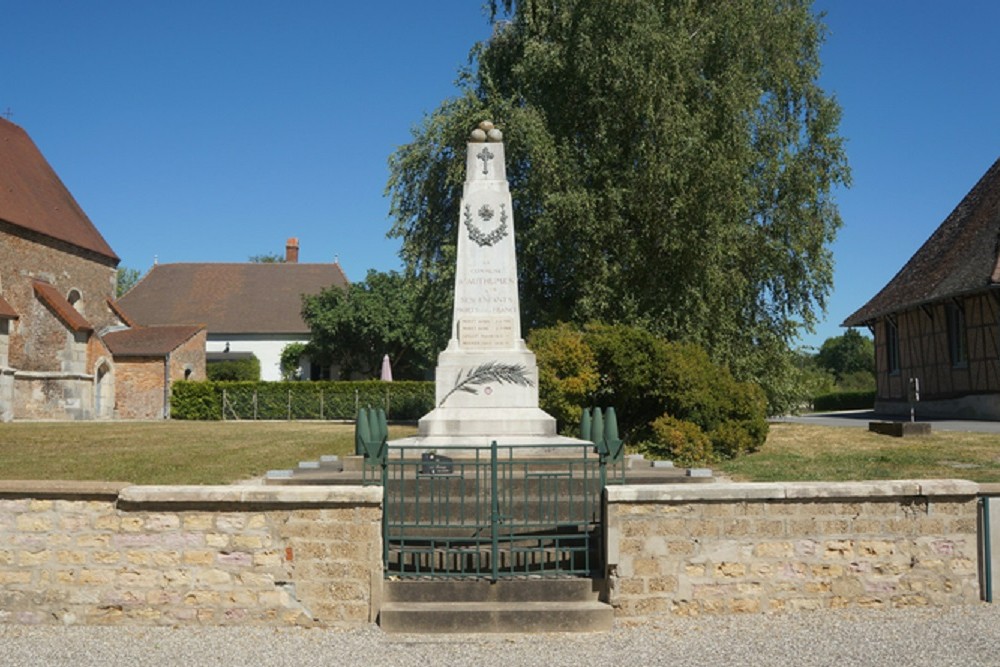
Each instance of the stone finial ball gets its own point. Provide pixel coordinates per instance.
(494, 135)
(478, 135)
(486, 125)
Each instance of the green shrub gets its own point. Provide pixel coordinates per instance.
(235, 370)
(291, 356)
(631, 362)
(845, 400)
(567, 373)
(733, 438)
(645, 377)
(680, 441)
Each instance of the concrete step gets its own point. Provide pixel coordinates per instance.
(348, 471)
(514, 606)
(528, 589)
(494, 617)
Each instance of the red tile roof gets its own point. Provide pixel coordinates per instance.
(32, 196)
(63, 309)
(148, 341)
(7, 311)
(960, 257)
(244, 298)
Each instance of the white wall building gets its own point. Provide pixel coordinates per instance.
(246, 307)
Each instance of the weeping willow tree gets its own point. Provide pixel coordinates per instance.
(672, 164)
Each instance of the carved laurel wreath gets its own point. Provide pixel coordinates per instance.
(477, 235)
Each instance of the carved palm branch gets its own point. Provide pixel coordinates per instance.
(491, 371)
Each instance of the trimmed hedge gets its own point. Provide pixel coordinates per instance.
(246, 370)
(298, 400)
(845, 400)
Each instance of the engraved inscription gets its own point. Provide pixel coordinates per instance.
(486, 333)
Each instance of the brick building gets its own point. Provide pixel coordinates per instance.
(148, 360)
(57, 288)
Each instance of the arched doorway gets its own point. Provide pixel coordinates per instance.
(103, 391)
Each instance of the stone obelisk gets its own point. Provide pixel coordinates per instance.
(487, 378)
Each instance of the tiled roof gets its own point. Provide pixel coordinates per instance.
(33, 197)
(148, 341)
(7, 311)
(117, 310)
(960, 257)
(246, 298)
(62, 308)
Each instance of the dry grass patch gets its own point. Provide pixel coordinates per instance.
(796, 452)
(168, 452)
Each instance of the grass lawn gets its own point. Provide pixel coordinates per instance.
(799, 452)
(182, 452)
(167, 452)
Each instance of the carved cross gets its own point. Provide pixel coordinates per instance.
(485, 155)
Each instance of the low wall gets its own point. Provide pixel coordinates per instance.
(722, 548)
(95, 553)
(105, 554)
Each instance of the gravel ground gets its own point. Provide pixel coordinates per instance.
(963, 636)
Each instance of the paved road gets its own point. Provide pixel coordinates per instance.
(860, 419)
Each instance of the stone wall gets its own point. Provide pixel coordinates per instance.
(38, 341)
(724, 548)
(112, 554)
(96, 553)
(51, 365)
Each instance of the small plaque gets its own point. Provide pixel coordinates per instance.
(435, 464)
(486, 333)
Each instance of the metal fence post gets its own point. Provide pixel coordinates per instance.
(494, 514)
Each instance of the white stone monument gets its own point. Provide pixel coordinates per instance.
(487, 378)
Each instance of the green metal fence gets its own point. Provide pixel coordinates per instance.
(493, 512)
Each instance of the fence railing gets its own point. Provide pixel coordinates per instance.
(493, 512)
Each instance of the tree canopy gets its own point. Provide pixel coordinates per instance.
(387, 313)
(125, 279)
(671, 164)
(847, 354)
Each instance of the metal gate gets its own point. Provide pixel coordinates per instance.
(492, 512)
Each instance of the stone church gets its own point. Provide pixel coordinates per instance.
(57, 289)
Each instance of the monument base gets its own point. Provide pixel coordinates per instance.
(466, 446)
(532, 430)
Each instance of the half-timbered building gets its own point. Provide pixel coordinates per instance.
(937, 322)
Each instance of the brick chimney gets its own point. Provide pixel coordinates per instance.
(292, 251)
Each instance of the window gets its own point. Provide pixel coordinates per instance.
(891, 347)
(74, 297)
(957, 349)
(317, 372)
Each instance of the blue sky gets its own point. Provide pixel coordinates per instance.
(215, 130)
